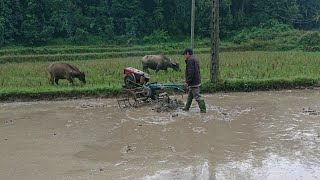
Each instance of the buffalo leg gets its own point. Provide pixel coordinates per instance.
(158, 68)
(56, 80)
(51, 81)
(145, 69)
(70, 79)
(51, 78)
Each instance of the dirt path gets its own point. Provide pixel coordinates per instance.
(259, 135)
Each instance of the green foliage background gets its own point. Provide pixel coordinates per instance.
(38, 22)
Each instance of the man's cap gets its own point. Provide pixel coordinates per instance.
(187, 50)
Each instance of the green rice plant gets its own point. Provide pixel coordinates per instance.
(245, 71)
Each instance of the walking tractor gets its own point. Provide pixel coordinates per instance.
(138, 89)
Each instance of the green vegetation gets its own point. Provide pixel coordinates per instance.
(276, 37)
(239, 71)
(123, 22)
(103, 37)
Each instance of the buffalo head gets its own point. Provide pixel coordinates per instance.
(175, 66)
(82, 77)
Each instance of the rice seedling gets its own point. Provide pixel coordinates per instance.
(106, 74)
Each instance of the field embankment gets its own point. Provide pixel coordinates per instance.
(23, 71)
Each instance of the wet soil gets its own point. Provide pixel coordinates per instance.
(256, 135)
(170, 105)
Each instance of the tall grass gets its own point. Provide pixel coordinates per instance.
(106, 75)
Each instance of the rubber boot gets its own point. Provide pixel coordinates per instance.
(202, 106)
(189, 102)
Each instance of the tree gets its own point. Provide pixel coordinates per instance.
(34, 26)
(284, 11)
(128, 17)
(37, 21)
(309, 14)
(158, 14)
(10, 20)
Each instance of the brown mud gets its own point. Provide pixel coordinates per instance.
(256, 135)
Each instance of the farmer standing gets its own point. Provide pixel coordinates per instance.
(193, 80)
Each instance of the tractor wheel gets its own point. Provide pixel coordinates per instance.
(132, 98)
(129, 81)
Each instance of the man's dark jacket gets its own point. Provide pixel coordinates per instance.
(192, 75)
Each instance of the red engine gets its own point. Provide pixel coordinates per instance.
(134, 77)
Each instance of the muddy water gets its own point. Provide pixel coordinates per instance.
(259, 135)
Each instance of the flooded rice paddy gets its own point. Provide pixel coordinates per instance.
(256, 135)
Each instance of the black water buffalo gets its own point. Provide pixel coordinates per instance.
(157, 62)
(59, 70)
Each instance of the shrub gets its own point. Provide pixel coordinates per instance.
(266, 31)
(127, 40)
(310, 41)
(81, 36)
(158, 36)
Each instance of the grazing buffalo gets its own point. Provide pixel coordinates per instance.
(59, 70)
(157, 62)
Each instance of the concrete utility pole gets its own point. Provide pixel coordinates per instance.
(192, 23)
(214, 69)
